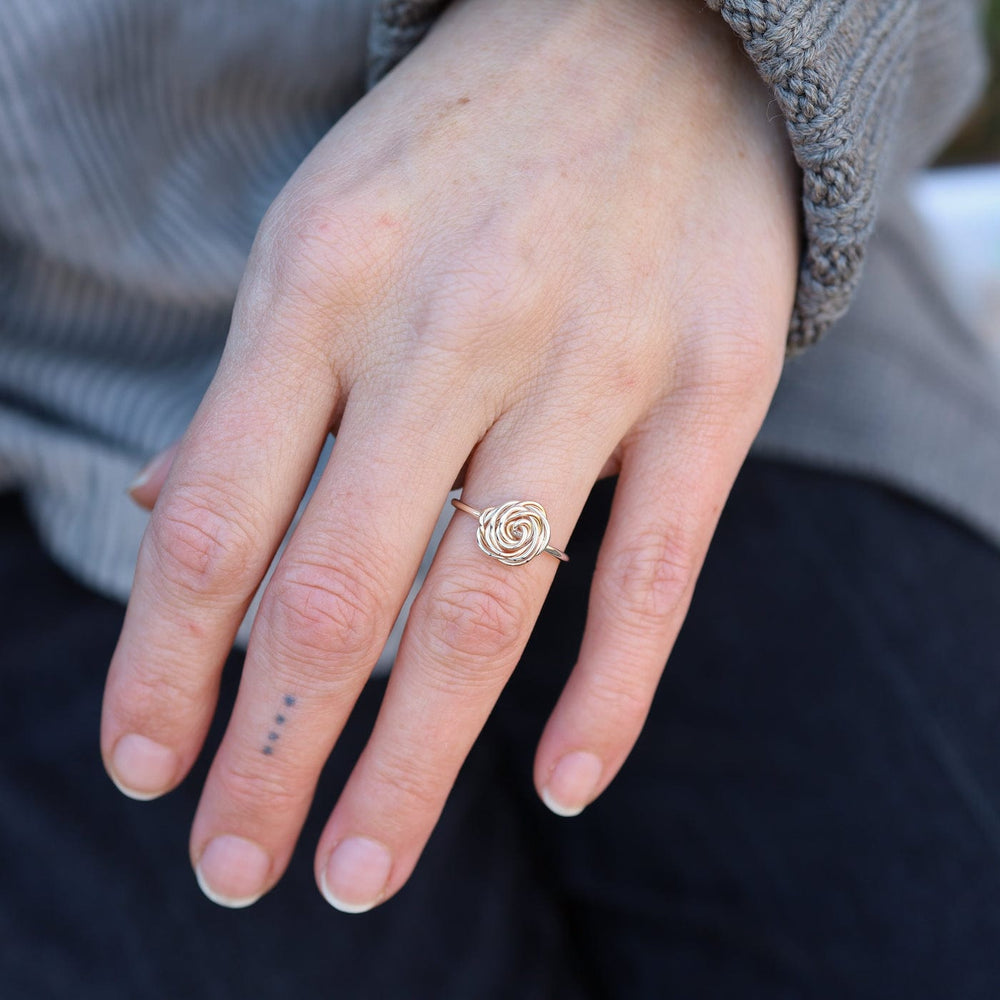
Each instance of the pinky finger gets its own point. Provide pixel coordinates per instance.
(671, 490)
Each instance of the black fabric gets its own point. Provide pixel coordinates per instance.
(812, 811)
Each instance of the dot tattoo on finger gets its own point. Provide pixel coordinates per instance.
(279, 720)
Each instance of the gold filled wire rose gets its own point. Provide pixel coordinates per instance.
(515, 532)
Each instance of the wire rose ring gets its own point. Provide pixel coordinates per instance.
(515, 532)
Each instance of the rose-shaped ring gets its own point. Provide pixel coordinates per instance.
(515, 532)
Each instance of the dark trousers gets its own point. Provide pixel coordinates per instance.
(813, 809)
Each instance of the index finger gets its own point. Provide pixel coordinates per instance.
(232, 490)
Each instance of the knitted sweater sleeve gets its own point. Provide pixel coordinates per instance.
(869, 89)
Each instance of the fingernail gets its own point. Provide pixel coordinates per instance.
(142, 769)
(145, 474)
(356, 875)
(233, 871)
(573, 783)
(151, 477)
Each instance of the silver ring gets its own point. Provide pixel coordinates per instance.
(515, 532)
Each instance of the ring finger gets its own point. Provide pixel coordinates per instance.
(465, 635)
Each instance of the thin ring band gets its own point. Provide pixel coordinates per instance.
(515, 532)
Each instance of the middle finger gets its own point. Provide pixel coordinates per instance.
(322, 623)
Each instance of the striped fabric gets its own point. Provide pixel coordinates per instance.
(142, 140)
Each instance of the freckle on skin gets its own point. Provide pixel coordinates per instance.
(273, 735)
(279, 720)
(267, 751)
(289, 700)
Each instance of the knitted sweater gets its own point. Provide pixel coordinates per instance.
(142, 140)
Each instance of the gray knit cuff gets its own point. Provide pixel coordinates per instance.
(396, 29)
(838, 70)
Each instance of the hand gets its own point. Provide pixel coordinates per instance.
(559, 241)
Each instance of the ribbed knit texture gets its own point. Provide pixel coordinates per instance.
(397, 28)
(142, 140)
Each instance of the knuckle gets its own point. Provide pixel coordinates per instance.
(324, 614)
(476, 304)
(748, 369)
(646, 580)
(203, 542)
(249, 789)
(322, 251)
(628, 377)
(162, 702)
(477, 618)
(415, 785)
(485, 291)
(618, 702)
(731, 355)
(154, 688)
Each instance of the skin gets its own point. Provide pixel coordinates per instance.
(559, 241)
